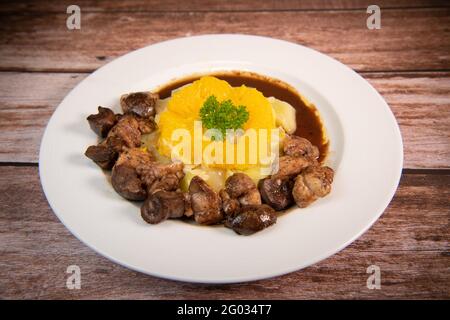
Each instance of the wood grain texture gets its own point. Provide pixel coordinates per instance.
(420, 102)
(409, 243)
(407, 61)
(14, 6)
(409, 39)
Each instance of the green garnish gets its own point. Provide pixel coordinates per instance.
(222, 115)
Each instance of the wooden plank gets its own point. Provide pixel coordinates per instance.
(420, 102)
(409, 39)
(421, 105)
(27, 102)
(210, 5)
(409, 243)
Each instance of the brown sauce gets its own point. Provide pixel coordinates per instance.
(309, 124)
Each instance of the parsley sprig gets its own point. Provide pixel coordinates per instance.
(222, 115)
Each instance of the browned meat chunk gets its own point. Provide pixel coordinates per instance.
(102, 155)
(140, 103)
(277, 192)
(102, 122)
(146, 125)
(229, 205)
(238, 184)
(135, 157)
(291, 166)
(126, 182)
(206, 204)
(125, 134)
(296, 146)
(125, 178)
(241, 187)
(158, 176)
(240, 190)
(251, 219)
(313, 183)
(162, 205)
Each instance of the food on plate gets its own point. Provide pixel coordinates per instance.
(231, 148)
(313, 183)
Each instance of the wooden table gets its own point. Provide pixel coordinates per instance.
(407, 61)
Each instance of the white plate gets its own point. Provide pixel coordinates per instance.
(366, 154)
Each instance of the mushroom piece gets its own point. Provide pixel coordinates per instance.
(276, 192)
(140, 103)
(251, 219)
(313, 183)
(125, 178)
(296, 146)
(102, 122)
(162, 205)
(241, 187)
(205, 203)
(229, 205)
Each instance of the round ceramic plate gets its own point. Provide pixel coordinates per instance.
(365, 152)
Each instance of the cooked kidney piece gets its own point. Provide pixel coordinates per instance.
(162, 205)
(125, 178)
(102, 122)
(300, 147)
(126, 133)
(313, 183)
(206, 204)
(159, 176)
(252, 218)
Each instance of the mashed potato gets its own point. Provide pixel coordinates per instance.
(182, 109)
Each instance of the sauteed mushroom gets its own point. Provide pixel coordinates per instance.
(277, 192)
(162, 205)
(251, 219)
(140, 103)
(125, 178)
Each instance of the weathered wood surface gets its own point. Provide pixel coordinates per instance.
(409, 243)
(420, 102)
(42, 42)
(407, 61)
(14, 6)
